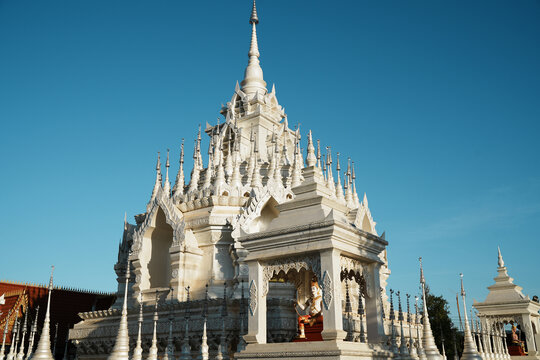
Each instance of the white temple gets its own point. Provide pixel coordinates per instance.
(217, 263)
(506, 304)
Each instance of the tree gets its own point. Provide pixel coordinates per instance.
(442, 326)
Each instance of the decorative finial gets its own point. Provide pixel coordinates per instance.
(422, 279)
(501, 261)
(254, 19)
(462, 288)
(253, 76)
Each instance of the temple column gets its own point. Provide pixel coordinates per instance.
(257, 305)
(331, 285)
(375, 326)
(529, 336)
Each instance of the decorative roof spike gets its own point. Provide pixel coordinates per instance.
(403, 350)
(324, 167)
(153, 351)
(318, 153)
(412, 348)
(500, 259)
(204, 342)
(43, 351)
(157, 184)
(137, 352)
(428, 341)
(393, 344)
(196, 172)
(339, 189)
(295, 178)
(14, 330)
(20, 355)
(253, 76)
(169, 352)
(421, 353)
(3, 349)
(254, 19)
(256, 181)
(33, 332)
(180, 178)
(469, 346)
(348, 186)
(120, 350)
(311, 158)
(355, 194)
(229, 160)
(330, 179)
(167, 186)
(220, 176)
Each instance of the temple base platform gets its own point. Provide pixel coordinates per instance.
(311, 350)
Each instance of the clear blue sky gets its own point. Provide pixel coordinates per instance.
(436, 101)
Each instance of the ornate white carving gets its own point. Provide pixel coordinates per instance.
(173, 217)
(174, 273)
(308, 262)
(327, 289)
(364, 213)
(360, 270)
(252, 297)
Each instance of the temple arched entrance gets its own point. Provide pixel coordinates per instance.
(159, 266)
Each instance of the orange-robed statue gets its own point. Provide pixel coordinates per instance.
(314, 305)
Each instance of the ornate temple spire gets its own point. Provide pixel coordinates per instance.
(353, 182)
(219, 181)
(393, 344)
(14, 336)
(204, 342)
(319, 154)
(169, 351)
(229, 160)
(272, 162)
(137, 352)
(3, 349)
(120, 350)
(412, 349)
(339, 188)
(43, 351)
(469, 346)
(421, 353)
(33, 332)
(20, 355)
(403, 349)
(348, 190)
(311, 158)
(295, 178)
(253, 76)
(428, 341)
(236, 180)
(195, 173)
(167, 186)
(153, 351)
(500, 258)
(157, 184)
(256, 181)
(278, 179)
(180, 178)
(329, 178)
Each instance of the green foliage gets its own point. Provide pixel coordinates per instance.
(442, 326)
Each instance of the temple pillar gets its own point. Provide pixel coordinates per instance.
(375, 326)
(257, 305)
(331, 285)
(529, 336)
